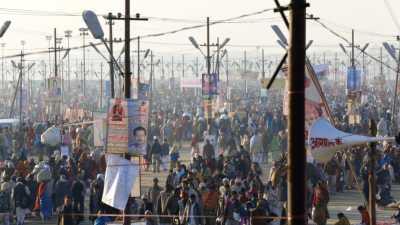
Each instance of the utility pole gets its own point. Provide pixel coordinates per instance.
(197, 66)
(127, 81)
(262, 64)
(217, 61)
(244, 72)
(101, 86)
(83, 33)
(172, 74)
(151, 88)
(371, 175)
(110, 24)
(209, 99)
(55, 53)
(296, 125)
(68, 35)
(44, 74)
(336, 67)
(183, 65)
(227, 75)
(20, 87)
(352, 50)
(138, 66)
(162, 67)
(394, 111)
(2, 64)
(49, 38)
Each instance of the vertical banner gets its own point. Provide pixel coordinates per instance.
(209, 85)
(353, 79)
(144, 90)
(137, 126)
(207, 103)
(117, 121)
(127, 126)
(54, 89)
(121, 176)
(107, 89)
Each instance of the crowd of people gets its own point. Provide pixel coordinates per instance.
(235, 175)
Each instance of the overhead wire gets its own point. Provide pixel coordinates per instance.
(186, 28)
(357, 47)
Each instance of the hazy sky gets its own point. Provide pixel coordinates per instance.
(370, 18)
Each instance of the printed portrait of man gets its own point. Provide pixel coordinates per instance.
(139, 141)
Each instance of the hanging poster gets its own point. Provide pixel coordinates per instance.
(353, 79)
(54, 93)
(209, 84)
(117, 121)
(127, 126)
(137, 126)
(120, 176)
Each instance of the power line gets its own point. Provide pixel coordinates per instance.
(348, 28)
(186, 28)
(349, 42)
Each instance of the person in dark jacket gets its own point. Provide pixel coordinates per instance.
(156, 155)
(208, 151)
(21, 196)
(65, 215)
(192, 212)
(62, 189)
(96, 193)
(78, 197)
(164, 153)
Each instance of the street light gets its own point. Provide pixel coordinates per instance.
(343, 49)
(95, 29)
(146, 53)
(4, 28)
(280, 35)
(193, 41)
(281, 44)
(68, 35)
(224, 43)
(365, 47)
(391, 50)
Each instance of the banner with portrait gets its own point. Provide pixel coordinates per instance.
(127, 126)
(54, 93)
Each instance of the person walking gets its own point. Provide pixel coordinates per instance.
(78, 197)
(320, 212)
(20, 194)
(156, 155)
(65, 214)
(5, 205)
(192, 213)
(154, 193)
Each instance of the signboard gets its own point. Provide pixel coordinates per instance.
(324, 140)
(119, 179)
(191, 83)
(209, 84)
(138, 121)
(144, 90)
(54, 87)
(353, 79)
(107, 89)
(127, 126)
(321, 70)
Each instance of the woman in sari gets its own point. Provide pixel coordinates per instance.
(43, 202)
